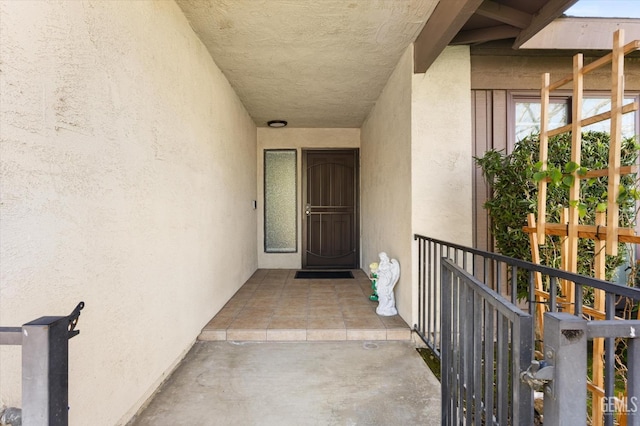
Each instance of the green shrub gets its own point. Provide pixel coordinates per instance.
(513, 181)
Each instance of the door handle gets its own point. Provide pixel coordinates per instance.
(307, 210)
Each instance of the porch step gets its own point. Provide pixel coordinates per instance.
(302, 335)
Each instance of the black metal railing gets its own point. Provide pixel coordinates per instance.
(485, 345)
(500, 274)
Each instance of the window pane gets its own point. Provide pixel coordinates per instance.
(280, 224)
(528, 117)
(595, 106)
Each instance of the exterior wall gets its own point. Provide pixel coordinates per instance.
(490, 131)
(291, 138)
(128, 169)
(442, 151)
(385, 165)
(523, 71)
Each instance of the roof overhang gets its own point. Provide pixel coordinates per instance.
(478, 21)
(582, 33)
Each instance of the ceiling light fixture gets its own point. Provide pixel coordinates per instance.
(277, 123)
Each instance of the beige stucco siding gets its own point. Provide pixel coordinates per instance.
(128, 168)
(298, 139)
(386, 179)
(442, 150)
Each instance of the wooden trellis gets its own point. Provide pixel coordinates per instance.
(606, 231)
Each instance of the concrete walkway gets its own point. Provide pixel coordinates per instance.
(298, 383)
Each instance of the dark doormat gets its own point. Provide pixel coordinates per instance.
(323, 275)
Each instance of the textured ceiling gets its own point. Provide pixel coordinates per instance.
(314, 63)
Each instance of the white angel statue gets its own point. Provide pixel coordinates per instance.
(388, 274)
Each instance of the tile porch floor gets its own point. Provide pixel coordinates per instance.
(274, 306)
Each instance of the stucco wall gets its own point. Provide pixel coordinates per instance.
(128, 169)
(442, 148)
(385, 159)
(442, 163)
(292, 138)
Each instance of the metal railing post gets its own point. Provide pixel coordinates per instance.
(633, 383)
(45, 369)
(629, 404)
(565, 348)
(446, 339)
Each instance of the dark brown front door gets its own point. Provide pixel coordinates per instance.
(330, 226)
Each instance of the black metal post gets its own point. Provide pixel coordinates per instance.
(633, 381)
(45, 367)
(45, 359)
(565, 348)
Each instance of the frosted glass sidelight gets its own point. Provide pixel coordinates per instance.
(280, 224)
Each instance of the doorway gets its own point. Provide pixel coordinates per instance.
(330, 201)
